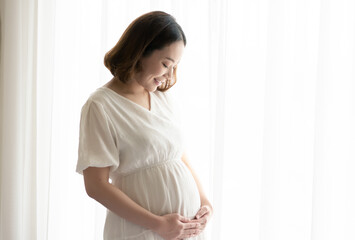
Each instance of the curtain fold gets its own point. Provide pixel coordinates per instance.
(26, 78)
(18, 105)
(44, 96)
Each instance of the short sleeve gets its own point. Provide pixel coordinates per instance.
(97, 139)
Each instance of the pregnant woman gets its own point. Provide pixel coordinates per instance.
(129, 133)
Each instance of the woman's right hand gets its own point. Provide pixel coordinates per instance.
(175, 226)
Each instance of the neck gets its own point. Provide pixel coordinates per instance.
(131, 87)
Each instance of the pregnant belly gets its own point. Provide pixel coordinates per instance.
(163, 189)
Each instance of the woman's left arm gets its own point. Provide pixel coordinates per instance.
(206, 210)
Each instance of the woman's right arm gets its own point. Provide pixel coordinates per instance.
(170, 226)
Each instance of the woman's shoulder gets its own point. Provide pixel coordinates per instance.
(97, 98)
(99, 95)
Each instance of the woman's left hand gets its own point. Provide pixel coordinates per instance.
(203, 216)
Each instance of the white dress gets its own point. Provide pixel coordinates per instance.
(143, 149)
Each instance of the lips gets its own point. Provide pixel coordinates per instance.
(158, 82)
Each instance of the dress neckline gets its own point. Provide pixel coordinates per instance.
(130, 101)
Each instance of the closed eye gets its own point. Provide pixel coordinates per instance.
(166, 66)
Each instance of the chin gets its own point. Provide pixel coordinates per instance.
(152, 89)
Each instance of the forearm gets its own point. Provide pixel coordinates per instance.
(118, 202)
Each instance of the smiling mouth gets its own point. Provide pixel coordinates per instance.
(157, 82)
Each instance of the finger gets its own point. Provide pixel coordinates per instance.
(184, 219)
(201, 220)
(204, 219)
(203, 210)
(190, 233)
(203, 224)
(199, 214)
(192, 226)
(194, 220)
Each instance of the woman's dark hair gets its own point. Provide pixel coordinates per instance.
(149, 32)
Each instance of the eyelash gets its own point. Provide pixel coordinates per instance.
(167, 66)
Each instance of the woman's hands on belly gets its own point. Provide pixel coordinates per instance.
(175, 226)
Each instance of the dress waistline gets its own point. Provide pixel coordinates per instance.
(158, 164)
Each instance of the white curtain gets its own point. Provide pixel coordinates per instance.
(267, 92)
(27, 41)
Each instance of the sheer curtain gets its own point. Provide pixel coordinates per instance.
(267, 92)
(26, 70)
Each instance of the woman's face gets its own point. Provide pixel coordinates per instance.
(159, 66)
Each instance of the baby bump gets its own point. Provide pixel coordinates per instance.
(162, 189)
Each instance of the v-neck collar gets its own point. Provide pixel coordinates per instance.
(132, 102)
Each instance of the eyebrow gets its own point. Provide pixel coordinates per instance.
(170, 59)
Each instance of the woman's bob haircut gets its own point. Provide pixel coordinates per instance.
(149, 32)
